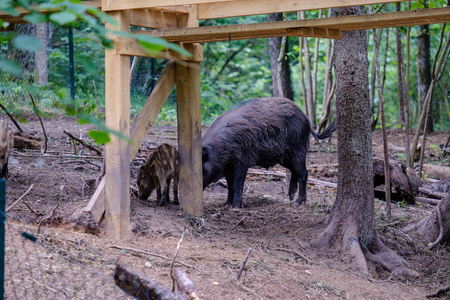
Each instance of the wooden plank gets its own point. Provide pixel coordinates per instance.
(152, 19)
(190, 137)
(189, 128)
(257, 7)
(146, 118)
(308, 27)
(117, 151)
(109, 5)
(128, 46)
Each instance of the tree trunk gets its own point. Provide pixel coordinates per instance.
(281, 74)
(351, 224)
(311, 112)
(424, 69)
(400, 75)
(41, 56)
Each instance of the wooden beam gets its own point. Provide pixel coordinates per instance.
(128, 46)
(326, 27)
(146, 118)
(108, 5)
(190, 138)
(117, 151)
(190, 128)
(152, 19)
(256, 7)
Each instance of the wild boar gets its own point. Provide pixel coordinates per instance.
(162, 165)
(6, 146)
(260, 132)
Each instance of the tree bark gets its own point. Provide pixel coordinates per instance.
(281, 74)
(351, 224)
(41, 56)
(400, 75)
(424, 69)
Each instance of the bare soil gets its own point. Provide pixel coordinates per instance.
(76, 260)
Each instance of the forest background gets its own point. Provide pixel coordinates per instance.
(230, 73)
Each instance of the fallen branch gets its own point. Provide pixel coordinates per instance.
(33, 211)
(185, 285)
(427, 200)
(11, 117)
(295, 252)
(40, 120)
(152, 254)
(249, 251)
(95, 149)
(323, 183)
(142, 287)
(173, 260)
(46, 218)
(20, 199)
(267, 173)
(440, 291)
(432, 193)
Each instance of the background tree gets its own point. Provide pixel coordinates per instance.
(351, 224)
(279, 63)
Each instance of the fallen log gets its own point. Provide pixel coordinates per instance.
(323, 183)
(185, 285)
(432, 193)
(142, 287)
(427, 200)
(25, 142)
(441, 172)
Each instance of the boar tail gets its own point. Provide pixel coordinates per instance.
(326, 133)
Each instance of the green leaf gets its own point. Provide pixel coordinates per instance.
(10, 67)
(35, 18)
(63, 17)
(27, 43)
(99, 137)
(89, 67)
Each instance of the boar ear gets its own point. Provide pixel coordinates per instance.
(205, 153)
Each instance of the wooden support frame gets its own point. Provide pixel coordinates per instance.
(190, 127)
(117, 151)
(146, 118)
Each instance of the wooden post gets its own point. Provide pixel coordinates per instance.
(117, 155)
(189, 128)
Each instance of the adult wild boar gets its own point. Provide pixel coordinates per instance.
(162, 165)
(6, 146)
(260, 132)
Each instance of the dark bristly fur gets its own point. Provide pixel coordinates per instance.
(6, 146)
(260, 132)
(161, 167)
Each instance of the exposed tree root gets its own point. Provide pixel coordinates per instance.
(376, 252)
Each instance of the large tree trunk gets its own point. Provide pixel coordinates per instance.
(351, 225)
(400, 75)
(424, 69)
(281, 74)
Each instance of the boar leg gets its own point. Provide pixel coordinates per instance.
(239, 179)
(293, 185)
(175, 189)
(159, 196)
(230, 185)
(302, 174)
(168, 180)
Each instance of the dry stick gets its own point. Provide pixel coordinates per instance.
(387, 181)
(40, 120)
(95, 149)
(295, 252)
(427, 200)
(20, 199)
(174, 257)
(33, 211)
(185, 285)
(46, 218)
(153, 254)
(249, 251)
(12, 118)
(441, 226)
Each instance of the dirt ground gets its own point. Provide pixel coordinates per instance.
(280, 266)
